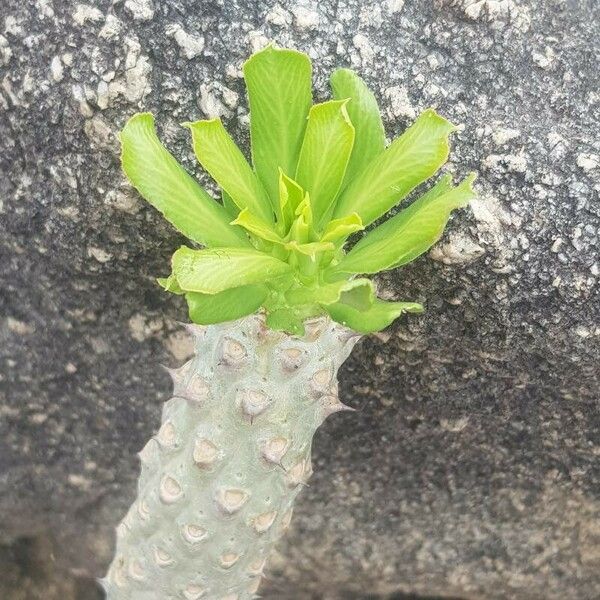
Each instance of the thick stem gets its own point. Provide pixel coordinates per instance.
(219, 479)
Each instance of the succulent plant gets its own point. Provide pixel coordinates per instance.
(283, 300)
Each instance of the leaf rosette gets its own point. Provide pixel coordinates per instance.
(319, 173)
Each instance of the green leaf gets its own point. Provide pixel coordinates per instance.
(369, 137)
(228, 305)
(279, 92)
(169, 284)
(157, 175)
(229, 205)
(374, 318)
(408, 161)
(324, 155)
(257, 226)
(287, 320)
(309, 248)
(212, 271)
(410, 233)
(340, 229)
(325, 294)
(302, 227)
(290, 197)
(220, 156)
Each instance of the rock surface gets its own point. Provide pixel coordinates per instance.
(472, 468)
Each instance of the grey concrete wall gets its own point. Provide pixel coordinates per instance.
(472, 468)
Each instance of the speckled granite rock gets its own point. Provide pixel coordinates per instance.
(473, 466)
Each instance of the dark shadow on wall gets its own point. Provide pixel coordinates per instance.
(28, 572)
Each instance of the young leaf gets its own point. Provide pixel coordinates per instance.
(220, 156)
(324, 155)
(257, 226)
(229, 205)
(169, 284)
(302, 227)
(369, 137)
(212, 271)
(375, 318)
(410, 233)
(408, 161)
(287, 320)
(340, 229)
(309, 248)
(329, 293)
(290, 197)
(155, 173)
(279, 92)
(227, 305)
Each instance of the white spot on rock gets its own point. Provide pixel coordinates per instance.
(13, 25)
(133, 85)
(545, 60)
(257, 40)
(588, 162)
(84, 13)
(56, 69)
(102, 134)
(141, 328)
(460, 249)
(102, 256)
(515, 163)
(180, 345)
(279, 16)
(492, 11)
(5, 51)
(305, 18)
(141, 10)
(190, 45)
(210, 102)
(454, 425)
(399, 104)
(111, 29)
(19, 327)
(394, 6)
(502, 135)
(79, 481)
(365, 49)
